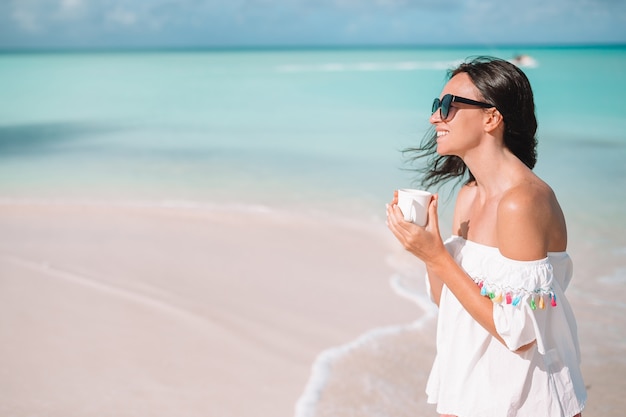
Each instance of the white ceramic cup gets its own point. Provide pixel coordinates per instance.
(414, 205)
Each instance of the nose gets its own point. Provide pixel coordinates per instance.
(435, 117)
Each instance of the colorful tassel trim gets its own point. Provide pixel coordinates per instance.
(537, 299)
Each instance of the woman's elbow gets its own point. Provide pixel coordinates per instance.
(520, 349)
(524, 348)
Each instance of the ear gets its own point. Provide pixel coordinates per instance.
(493, 120)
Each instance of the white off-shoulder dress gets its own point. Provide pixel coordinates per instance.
(475, 375)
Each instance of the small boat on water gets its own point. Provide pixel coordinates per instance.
(523, 60)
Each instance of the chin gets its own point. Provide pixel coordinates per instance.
(441, 150)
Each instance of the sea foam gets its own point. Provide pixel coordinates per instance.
(322, 368)
(368, 66)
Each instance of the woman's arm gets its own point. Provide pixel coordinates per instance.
(426, 244)
(459, 228)
(436, 284)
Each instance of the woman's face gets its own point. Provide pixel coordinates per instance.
(463, 128)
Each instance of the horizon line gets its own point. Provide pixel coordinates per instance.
(310, 47)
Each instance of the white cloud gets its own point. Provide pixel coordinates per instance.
(26, 19)
(71, 4)
(36, 15)
(70, 10)
(27, 15)
(121, 16)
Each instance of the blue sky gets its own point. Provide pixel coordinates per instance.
(226, 23)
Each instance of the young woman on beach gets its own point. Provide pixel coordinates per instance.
(506, 336)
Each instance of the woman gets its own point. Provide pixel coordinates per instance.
(506, 335)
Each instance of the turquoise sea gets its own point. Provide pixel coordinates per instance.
(320, 127)
(312, 129)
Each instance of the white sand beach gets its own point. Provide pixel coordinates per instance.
(109, 310)
(166, 310)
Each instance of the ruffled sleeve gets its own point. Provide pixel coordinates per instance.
(522, 293)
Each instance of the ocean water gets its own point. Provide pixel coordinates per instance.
(313, 130)
(312, 127)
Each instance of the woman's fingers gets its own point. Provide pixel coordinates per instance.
(394, 200)
(433, 215)
(403, 230)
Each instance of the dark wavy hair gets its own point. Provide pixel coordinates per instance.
(506, 87)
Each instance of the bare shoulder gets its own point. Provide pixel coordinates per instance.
(530, 221)
(464, 200)
(528, 195)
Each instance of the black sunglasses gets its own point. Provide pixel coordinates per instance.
(448, 99)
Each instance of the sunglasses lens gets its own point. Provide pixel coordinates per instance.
(445, 106)
(436, 104)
